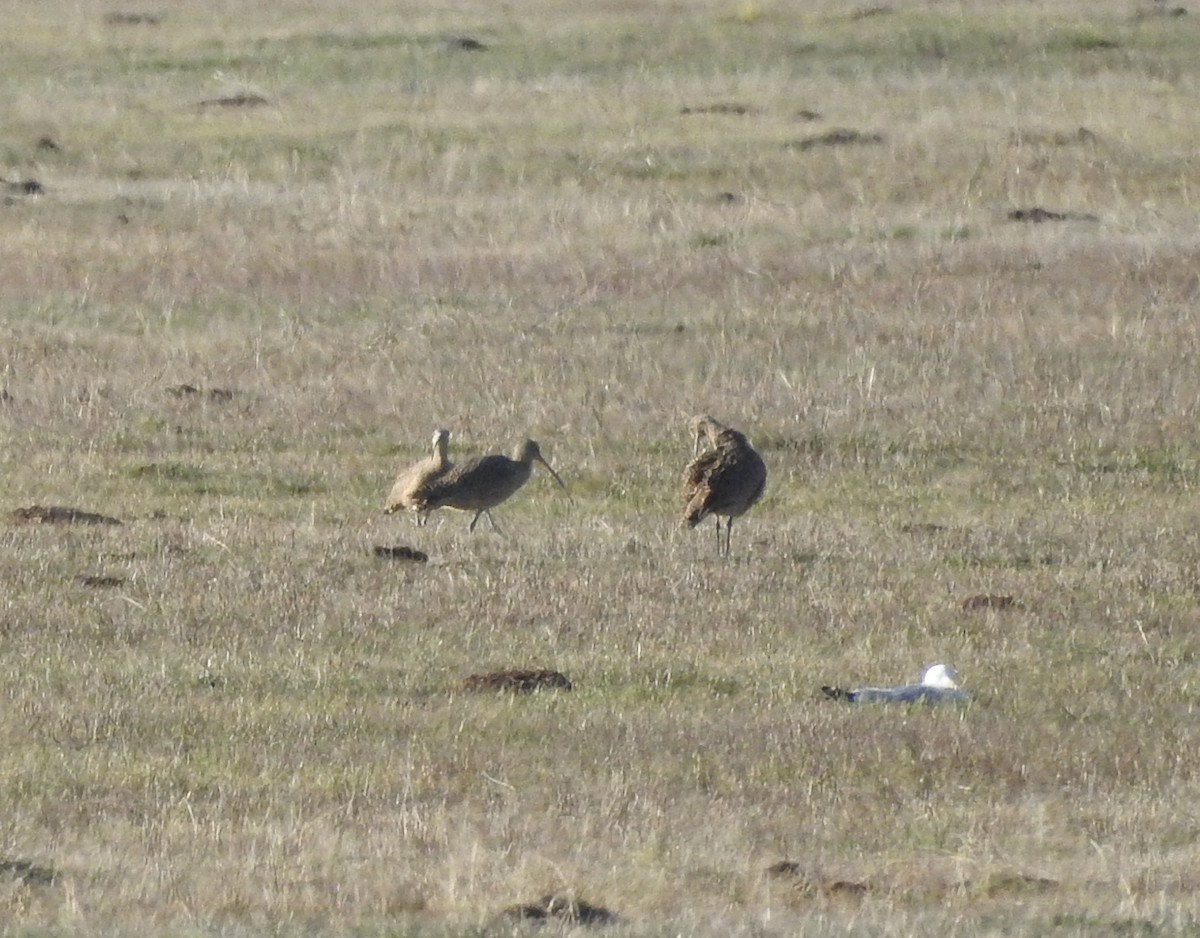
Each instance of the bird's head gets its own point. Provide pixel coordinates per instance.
(941, 675)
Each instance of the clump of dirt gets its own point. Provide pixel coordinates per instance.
(465, 44)
(190, 391)
(1160, 9)
(401, 552)
(22, 186)
(100, 582)
(563, 908)
(27, 872)
(517, 681)
(1010, 883)
(840, 137)
(132, 19)
(1037, 215)
(235, 100)
(810, 881)
(869, 12)
(923, 527)
(733, 108)
(57, 514)
(988, 601)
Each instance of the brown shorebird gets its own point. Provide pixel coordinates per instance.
(725, 481)
(481, 484)
(411, 483)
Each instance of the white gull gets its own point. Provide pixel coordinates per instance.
(938, 685)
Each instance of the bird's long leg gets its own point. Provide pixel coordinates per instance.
(728, 535)
(718, 517)
(471, 526)
(495, 527)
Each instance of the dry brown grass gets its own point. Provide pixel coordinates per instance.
(591, 230)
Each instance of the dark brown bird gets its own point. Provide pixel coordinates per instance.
(481, 484)
(410, 485)
(726, 481)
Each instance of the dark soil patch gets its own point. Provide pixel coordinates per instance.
(400, 552)
(988, 601)
(47, 143)
(235, 100)
(517, 681)
(28, 872)
(465, 44)
(190, 391)
(724, 108)
(840, 137)
(868, 12)
(1160, 9)
(805, 114)
(100, 582)
(22, 186)
(811, 881)
(132, 19)
(57, 514)
(563, 909)
(923, 527)
(1037, 215)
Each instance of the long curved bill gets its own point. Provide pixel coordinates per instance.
(560, 482)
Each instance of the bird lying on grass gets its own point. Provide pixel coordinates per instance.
(938, 685)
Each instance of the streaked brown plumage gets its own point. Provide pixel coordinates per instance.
(407, 492)
(726, 481)
(481, 484)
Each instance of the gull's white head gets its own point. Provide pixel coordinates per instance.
(941, 675)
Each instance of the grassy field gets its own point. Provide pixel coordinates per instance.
(343, 228)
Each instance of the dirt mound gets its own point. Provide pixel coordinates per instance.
(100, 582)
(400, 552)
(810, 881)
(988, 601)
(517, 681)
(1037, 215)
(57, 514)
(27, 872)
(564, 909)
(837, 138)
(187, 391)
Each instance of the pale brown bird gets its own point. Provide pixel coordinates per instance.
(481, 484)
(726, 481)
(411, 483)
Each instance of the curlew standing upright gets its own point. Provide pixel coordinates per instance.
(481, 484)
(411, 483)
(725, 481)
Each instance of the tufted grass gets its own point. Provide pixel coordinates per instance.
(612, 218)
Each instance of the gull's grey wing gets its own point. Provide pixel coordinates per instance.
(911, 693)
